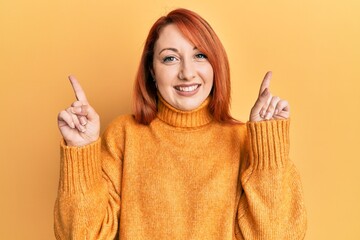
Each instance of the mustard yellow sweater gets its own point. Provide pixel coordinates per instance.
(185, 176)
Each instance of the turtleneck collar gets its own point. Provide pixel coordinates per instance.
(178, 118)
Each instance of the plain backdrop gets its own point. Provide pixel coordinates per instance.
(312, 47)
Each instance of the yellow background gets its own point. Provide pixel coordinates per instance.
(312, 47)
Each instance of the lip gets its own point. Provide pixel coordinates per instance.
(187, 93)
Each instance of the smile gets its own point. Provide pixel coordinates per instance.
(187, 88)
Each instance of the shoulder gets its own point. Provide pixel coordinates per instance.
(118, 126)
(237, 131)
(122, 120)
(239, 128)
(115, 133)
(123, 124)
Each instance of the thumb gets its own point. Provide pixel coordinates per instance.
(87, 111)
(261, 101)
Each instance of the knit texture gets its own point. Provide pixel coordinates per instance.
(184, 176)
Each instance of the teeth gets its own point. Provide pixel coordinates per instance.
(187, 89)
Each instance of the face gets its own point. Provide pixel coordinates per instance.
(183, 74)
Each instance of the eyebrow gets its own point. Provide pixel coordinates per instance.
(172, 49)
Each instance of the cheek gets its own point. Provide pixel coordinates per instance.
(207, 74)
(164, 73)
(163, 76)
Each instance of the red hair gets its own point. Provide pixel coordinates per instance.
(199, 33)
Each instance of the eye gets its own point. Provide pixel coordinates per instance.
(201, 56)
(169, 59)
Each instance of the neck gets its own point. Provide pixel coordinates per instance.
(178, 118)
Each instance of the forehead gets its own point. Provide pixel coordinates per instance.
(170, 36)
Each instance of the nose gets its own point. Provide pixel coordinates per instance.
(187, 70)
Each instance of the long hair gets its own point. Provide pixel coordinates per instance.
(199, 33)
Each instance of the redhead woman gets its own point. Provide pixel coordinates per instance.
(180, 167)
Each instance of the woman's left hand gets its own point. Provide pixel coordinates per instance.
(267, 106)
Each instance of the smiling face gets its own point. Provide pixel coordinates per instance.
(183, 74)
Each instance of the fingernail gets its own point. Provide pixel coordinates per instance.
(265, 113)
(262, 113)
(83, 121)
(82, 129)
(72, 125)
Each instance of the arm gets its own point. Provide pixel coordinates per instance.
(271, 204)
(88, 202)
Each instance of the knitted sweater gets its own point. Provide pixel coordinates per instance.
(184, 176)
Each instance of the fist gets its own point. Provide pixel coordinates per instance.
(267, 106)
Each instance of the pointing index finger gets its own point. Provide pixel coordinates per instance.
(79, 92)
(266, 82)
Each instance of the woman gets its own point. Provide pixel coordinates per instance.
(181, 167)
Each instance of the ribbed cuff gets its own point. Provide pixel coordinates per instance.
(80, 167)
(269, 143)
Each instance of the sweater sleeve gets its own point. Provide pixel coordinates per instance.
(271, 204)
(88, 201)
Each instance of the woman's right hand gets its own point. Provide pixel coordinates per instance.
(79, 124)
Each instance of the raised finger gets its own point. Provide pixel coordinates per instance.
(265, 83)
(79, 92)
